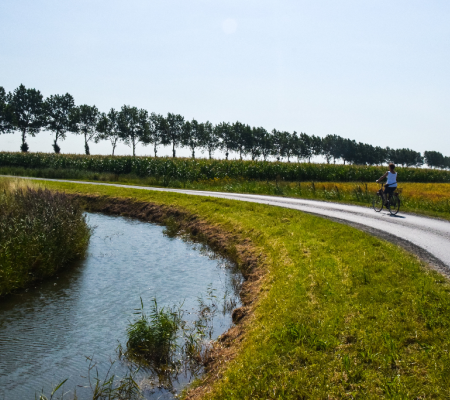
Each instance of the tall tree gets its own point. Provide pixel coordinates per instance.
(405, 157)
(305, 148)
(447, 162)
(157, 125)
(210, 140)
(192, 135)
(264, 140)
(348, 148)
(434, 159)
(108, 128)
(6, 119)
(328, 147)
(174, 131)
(227, 137)
(27, 112)
(134, 127)
(58, 110)
(280, 144)
(316, 143)
(84, 122)
(243, 136)
(291, 145)
(253, 141)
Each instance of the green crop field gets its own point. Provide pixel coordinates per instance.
(338, 314)
(167, 170)
(425, 191)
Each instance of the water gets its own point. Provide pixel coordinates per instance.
(47, 332)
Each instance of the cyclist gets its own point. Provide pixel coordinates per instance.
(391, 183)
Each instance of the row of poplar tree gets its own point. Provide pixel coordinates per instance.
(26, 111)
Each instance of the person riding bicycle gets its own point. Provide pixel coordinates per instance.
(391, 183)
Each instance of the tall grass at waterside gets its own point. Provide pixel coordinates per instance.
(153, 337)
(40, 232)
(189, 170)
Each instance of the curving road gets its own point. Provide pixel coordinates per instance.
(426, 237)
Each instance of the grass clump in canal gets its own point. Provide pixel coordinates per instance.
(40, 232)
(153, 337)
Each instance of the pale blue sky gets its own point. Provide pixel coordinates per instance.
(373, 71)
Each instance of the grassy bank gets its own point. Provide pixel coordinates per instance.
(431, 199)
(339, 313)
(40, 232)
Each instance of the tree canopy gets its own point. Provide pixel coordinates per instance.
(25, 111)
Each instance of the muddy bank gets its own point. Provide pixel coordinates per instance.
(233, 246)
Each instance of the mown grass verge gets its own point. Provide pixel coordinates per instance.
(40, 232)
(431, 199)
(338, 313)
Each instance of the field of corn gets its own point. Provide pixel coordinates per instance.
(167, 170)
(431, 199)
(40, 232)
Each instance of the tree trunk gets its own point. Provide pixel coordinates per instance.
(134, 149)
(156, 150)
(86, 146)
(193, 152)
(173, 150)
(24, 146)
(56, 148)
(210, 154)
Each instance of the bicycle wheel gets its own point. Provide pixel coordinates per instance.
(377, 202)
(394, 204)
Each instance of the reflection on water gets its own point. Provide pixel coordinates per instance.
(47, 332)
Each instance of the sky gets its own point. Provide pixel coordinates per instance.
(374, 71)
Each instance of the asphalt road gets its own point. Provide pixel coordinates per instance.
(428, 238)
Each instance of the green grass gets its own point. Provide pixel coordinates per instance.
(152, 338)
(40, 232)
(340, 314)
(431, 199)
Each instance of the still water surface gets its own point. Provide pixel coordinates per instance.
(47, 332)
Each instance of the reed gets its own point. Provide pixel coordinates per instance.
(152, 338)
(40, 232)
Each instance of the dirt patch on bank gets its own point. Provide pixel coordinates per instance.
(231, 245)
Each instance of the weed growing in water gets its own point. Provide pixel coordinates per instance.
(153, 338)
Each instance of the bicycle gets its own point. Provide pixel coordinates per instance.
(392, 203)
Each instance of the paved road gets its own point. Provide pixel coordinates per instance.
(427, 237)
